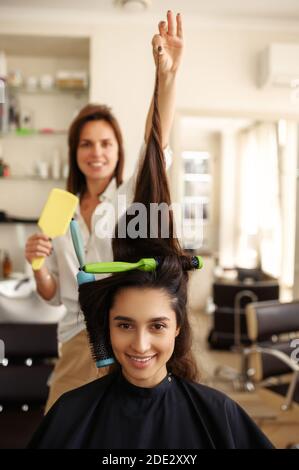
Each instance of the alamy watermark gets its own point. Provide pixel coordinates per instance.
(295, 354)
(150, 221)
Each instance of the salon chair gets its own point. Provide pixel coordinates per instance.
(230, 298)
(230, 330)
(30, 352)
(273, 357)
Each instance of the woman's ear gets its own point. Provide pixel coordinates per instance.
(177, 331)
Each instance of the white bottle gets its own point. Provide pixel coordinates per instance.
(42, 169)
(55, 164)
(65, 170)
(3, 66)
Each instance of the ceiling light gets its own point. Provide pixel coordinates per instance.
(134, 6)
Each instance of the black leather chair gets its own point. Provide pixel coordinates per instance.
(273, 328)
(30, 352)
(230, 299)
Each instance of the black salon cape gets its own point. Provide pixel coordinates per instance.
(111, 413)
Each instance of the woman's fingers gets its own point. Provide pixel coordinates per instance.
(170, 22)
(38, 248)
(37, 253)
(42, 241)
(169, 42)
(41, 244)
(40, 236)
(179, 26)
(162, 28)
(38, 245)
(169, 27)
(30, 255)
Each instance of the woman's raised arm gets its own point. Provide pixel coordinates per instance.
(169, 45)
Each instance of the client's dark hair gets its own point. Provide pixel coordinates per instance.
(96, 298)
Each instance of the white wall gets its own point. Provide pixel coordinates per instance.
(227, 209)
(220, 72)
(122, 72)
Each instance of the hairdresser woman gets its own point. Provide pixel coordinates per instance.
(96, 158)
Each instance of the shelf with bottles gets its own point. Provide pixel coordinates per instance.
(196, 211)
(196, 169)
(54, 90)
(31, 178)
(20, 117)
(193, 237)
(23, 132)
(195, 221)
(17, 121)
(195, 233)
(197, 196)
(196, 162)
(195, 190)
(61, 82)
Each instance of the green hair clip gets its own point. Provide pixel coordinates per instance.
(144, 264)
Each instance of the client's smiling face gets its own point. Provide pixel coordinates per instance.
(143, 328)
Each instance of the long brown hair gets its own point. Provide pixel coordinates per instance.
(96, 298)
(76, 182)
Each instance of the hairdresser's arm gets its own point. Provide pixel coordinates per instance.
(170, 40)
(45, 283)
(39, 245)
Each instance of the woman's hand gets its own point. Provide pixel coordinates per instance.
(38, 245)
(170, 40)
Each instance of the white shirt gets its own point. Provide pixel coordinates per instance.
(63, 262)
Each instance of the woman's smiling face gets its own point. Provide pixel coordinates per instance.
(143, 329)
(97, 153)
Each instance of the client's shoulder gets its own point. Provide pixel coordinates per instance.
(85, 393)
(204, 393)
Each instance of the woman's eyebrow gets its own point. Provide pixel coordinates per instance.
(108, 139)
(159, 319)
(128, 319)
(119, 317)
